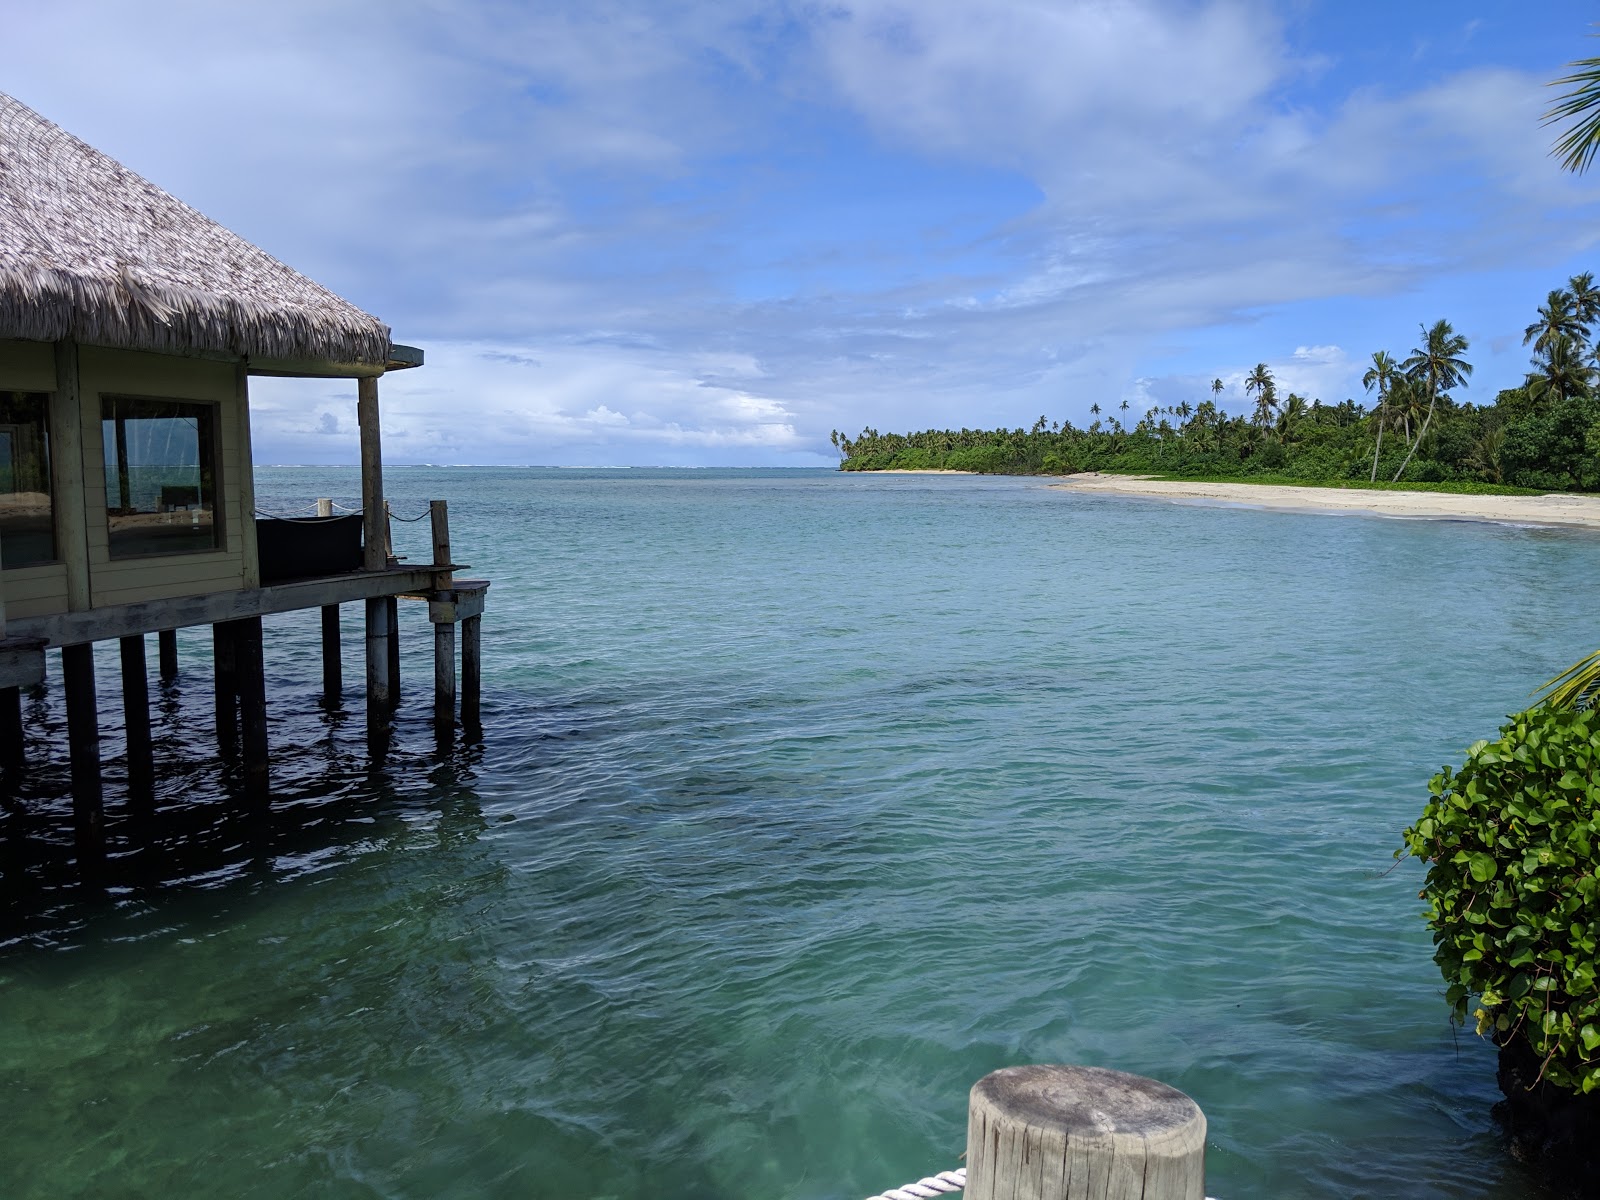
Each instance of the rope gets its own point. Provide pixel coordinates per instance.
(423, 517)
(941, 1184)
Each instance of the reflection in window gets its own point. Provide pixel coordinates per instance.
(160, 478)
(27, 533)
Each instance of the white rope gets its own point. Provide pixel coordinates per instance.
(941, 1184)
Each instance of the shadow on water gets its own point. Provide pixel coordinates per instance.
(335, 788)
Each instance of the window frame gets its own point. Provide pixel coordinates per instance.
(219, 543)
(51, 451)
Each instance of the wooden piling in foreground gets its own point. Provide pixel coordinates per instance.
(136, 724)
(83, 744)
(167, 641)
(1082, 1133)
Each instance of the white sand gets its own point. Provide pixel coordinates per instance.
(1554, 509)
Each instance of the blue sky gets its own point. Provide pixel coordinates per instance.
(680, 233)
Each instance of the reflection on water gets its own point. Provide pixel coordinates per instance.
(802, 801)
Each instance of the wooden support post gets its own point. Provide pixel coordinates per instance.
(68, 491)
(1082, 1133)
(378, 704)
(249, 551)
(83, 742)
(332, 662)
(374, 534)
(392, 619)
(13, 746)
(136, 725)
(225, 671)
(324, 507)
(167, 641)
(471, 669)
(444, 671)
(252, 711)
(444, 632)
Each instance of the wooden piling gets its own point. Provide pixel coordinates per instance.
(332, 662)
(373, 532)
(378, 704)
(471, 669)
(324, 507)
(444, 632)
(1082, 1133)
(13, 746)
(136, 724)
(167, 641)
(392, 619)
(252, 683)
(83, 745)
(225, 673)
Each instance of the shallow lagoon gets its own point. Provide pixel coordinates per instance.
(803, 800)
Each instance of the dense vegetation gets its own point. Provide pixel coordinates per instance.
(1513, 899)
(1543, 434)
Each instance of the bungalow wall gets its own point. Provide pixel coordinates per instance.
(78, 452)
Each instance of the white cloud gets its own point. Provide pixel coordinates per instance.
(514, 187)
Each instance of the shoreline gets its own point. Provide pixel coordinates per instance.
(1553, 508)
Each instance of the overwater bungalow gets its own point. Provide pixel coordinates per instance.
(130, 328)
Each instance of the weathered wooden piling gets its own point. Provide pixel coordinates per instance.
(471, 669)
(13, 745)
(225, 674)
(252, 681)
(444, 632)
(136, 724)
(332, 662)
(167, 640)
(1082, 1133)
(378, 703)
(83, 747)
(391, 619)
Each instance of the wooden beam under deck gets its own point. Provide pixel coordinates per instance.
(148, 616)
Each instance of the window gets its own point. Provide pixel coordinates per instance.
(27, 527)
(160, 476)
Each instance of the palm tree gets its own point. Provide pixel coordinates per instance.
(1381, 374)
(1216, 388)
(1438, 361)
(1094, 410)
(1294, 411)
(1559, 320)
(1184, 410)
(1261, 383)
(1585, 298)
(1561, 371)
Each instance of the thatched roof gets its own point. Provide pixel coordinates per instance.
(93, 252)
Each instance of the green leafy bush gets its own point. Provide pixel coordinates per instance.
(1511, 889)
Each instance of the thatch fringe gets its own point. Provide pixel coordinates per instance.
(91, 251)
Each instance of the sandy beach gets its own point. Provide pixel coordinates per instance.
(1553, 509)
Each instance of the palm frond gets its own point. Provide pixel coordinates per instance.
(1577, 147)
(1576, 687)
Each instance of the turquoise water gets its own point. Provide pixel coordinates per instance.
(802, 801)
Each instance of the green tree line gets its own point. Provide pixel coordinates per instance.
(1543, 434)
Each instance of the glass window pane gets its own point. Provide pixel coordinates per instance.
(160, 481)
(27, 527)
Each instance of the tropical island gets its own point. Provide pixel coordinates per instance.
(1412, 433)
